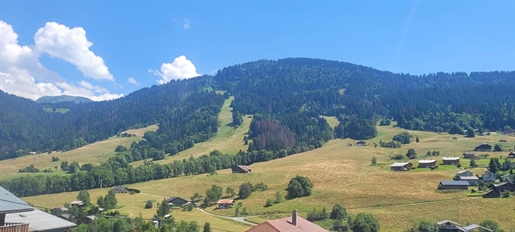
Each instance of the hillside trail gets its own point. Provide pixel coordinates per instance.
(238, 219)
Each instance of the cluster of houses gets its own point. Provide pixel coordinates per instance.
(450, 226)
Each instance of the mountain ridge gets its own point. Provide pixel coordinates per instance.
(63, 98)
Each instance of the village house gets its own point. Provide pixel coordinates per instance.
(120, 189)
(451, 160)
(453, 185)
(464, 173)
(489, 176)
(501, 187)
(241, 169)
(361, 143)
(473, 180)
(427, 163)
(294, 223)
(77, 203)
(492, 194)
(450, 226)
(225, 203)
(484, 147)
(18, 216)
(469, 155)
(401, 166)
(511, 155)
(177, 202)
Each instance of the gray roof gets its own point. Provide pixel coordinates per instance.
(446, 221)
(453, 182)
(450, 158)
(398, 164)
(426, 161)
(469, 178)
(474, 226)
(9, 203)
(463, 171)
(469, 152)
(39, 220)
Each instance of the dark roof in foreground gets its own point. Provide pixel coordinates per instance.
(452, 182)
(39, 220)
(9, 203)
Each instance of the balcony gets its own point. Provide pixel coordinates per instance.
(14, 227)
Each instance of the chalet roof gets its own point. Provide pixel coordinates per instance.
(463, 171)
(399, 164)
(451, 158)
(361, 142)
(92, 217)
(244, 168)
(285, 224)
(9, 203)
(426, 161)
(39, 220)
(174, 197)
(501, 184)
(455, 182)
(469, 178)
(474, 226)
(225, 201)
(446, 222)
(76, 203)
(485, 144)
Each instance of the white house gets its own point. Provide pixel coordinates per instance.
(489, 176)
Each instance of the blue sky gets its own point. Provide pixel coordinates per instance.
(92, 48)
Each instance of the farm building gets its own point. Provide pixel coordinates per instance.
(489, 176)
(450, 226)
(451, 184)
(225, 203)
(294, 223)
(451, 160)
(511, 155)
(361, 143)
(427, 163)
(77, 203)
(483, 147)
(401, 166)
(469, 155)
(471, 179)
(464, 173)
(176, 201)
(120, 189)
(492, 194)
(504, 186)
(241, 169)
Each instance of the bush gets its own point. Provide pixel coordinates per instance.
(299, 186)
(55, 159)
(317, 216)
(403, 138)
(148, 205)
(245, 190)
(269, 202)
(188, 207)
(398, 157)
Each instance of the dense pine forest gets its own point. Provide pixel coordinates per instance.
(277, 92)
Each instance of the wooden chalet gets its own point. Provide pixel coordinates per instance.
(501, 187)
(492, 194)
(484, 147)
(401, 166)
(120, 189)
(451, 160)
(361, 143)
(177, 201)
(453, 185)
(225, 203)
(469, 155)
(294, 223)
(427, 163)
(241, 169)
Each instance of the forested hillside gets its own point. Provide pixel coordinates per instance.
(286, 96)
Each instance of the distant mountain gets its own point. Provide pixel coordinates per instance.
(63, 98)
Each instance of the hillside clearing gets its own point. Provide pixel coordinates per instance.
(94, 153)
(343, 174)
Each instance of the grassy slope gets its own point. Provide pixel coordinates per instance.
(228, 140)
(95, 153)
(343, 175)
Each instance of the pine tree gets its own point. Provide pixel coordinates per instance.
(374, 161)
(207, 227)
(417, 140)
(163, 215)
(492, 166)
(473, 163)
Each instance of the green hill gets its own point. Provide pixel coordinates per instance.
(63, 98)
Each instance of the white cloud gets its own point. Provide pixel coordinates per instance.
(72, 46)
(133, 81)
(22, 74)
(186, 23)
(180, 68)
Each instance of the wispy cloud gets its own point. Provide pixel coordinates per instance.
(133, 81)
(186, 23)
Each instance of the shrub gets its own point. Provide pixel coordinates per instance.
(398, 157)
(188, 207)
(299, 186)
(269, 202)
(148, 205)
(55, 159)
(403, 138)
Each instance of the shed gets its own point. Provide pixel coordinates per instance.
(469, 155)
(483, 147)
(511, 155)
(451, 160)
(451, 184)
(427, 163)
(492, 194)
(241, 169)
(401, 166)
(361, 143)
(501, 187)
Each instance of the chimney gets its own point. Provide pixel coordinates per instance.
(294, 217)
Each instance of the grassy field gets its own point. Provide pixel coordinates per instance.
(95, 153)
(228, 139)
(344, 175)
